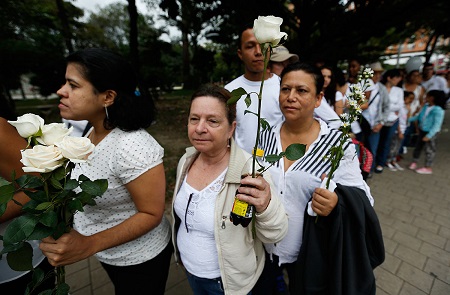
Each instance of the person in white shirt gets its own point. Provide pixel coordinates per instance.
(127, 229)
(396, 102)
(298, 183)
(430, 81)
(249, 52)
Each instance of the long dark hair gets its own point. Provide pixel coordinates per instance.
(107, 70)
(330, 91)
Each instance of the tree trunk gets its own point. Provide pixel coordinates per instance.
(65, 27)
(134, 47)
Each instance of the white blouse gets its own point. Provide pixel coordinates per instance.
(121, 157)
(195, 236)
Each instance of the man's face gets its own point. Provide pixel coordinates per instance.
(250, 52)
(427, 72)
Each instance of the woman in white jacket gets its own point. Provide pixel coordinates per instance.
(219, 257)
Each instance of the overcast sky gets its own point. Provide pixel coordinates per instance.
(93, 5)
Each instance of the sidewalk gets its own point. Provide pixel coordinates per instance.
(414, 211)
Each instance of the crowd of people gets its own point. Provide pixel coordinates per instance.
(300, 227)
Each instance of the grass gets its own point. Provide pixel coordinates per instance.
(170, 128)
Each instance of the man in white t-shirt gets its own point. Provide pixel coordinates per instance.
(430, 81)
(250, 53)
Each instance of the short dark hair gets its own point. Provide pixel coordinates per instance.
(439, 98)
(220, 94)
(107, 70)
(307, 68)
(407, 93)
(242, 29)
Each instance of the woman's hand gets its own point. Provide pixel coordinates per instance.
(323, 201)
(69, 248)
(255, 191)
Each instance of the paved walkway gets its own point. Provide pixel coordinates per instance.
(414, 211)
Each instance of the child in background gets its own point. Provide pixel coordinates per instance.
(430, 121)
(399, 137)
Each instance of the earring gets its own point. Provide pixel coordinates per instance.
(107, 115)
(229, 142)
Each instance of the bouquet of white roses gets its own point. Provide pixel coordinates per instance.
(267, 32)
(54, 196)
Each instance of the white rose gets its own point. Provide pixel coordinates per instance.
(76, 149)
(53, 133)
(41, 158)
(267, 29)
(28, 125)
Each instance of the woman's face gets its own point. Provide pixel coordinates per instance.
(298, 96)
(78, 98)
(395, 80)
(326, 73)
(208, 128)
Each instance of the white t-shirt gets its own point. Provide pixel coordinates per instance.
(435, 83)
(396, 103)
(245, 134)
(325, 112)
(121, 157)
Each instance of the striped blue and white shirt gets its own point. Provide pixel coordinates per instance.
(296, 185)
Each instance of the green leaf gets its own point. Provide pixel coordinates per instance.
(6, 193)
(236, 94)
(2, 208)
(74, 206)
(40, 196)
(11, 247)
(92, 188)
(248, 100)
(83, 177)
(59, 231)
(102, 184)
(21, 259)
(4, 181)
(273, 158)
(46, 292)
(30, 207)
(295, 151)
(247, 111)
(19, 229)
(29, 181)
(71, 184)
(62, 289)
(59, 173)
(264, 124)
(45, 206)
(40, 232)
(49, 218)
(86, 199)
(56, 184)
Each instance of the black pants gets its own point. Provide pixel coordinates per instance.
(268, 283)
(18, 286)
(146, 278)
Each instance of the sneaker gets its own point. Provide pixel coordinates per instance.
(391, 167)
(396, 165)
(379, 169)
(413, 166)
(424, 170)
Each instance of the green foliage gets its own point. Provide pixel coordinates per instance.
(55, 198)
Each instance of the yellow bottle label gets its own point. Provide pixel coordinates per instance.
(239, 207)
